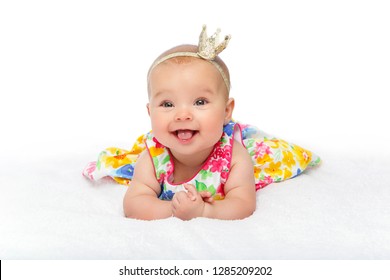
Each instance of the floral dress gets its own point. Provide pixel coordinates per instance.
(274, 160)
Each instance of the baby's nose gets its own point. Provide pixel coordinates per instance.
(183, 115)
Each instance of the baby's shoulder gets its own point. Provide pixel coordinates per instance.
(241, 169)
(239, 153)
(144, 171)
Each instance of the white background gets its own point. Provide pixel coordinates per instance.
(73, 73)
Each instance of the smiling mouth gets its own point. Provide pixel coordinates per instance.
(185, 134)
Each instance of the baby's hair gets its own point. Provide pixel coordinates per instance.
(186, 59)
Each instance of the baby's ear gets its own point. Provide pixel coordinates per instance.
(229, 110)
(147, 107)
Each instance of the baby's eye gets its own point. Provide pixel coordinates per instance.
(201, 102)
(166, 104)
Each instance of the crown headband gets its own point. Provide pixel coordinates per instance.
(208, 49)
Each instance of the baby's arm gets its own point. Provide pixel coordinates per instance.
(240, 192)
(141, 199)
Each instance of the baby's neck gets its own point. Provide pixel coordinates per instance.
(186, 166)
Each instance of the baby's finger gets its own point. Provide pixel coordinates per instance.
(175, 201)
(191, 190)
(206, 196)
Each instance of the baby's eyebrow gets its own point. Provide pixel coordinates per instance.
(160, 92)
(207, 90)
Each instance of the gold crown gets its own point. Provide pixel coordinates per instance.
(209, 48)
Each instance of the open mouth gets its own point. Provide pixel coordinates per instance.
(185, 134)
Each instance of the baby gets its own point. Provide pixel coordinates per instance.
(196, 161)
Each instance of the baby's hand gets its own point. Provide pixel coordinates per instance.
(192, 194)
(206, 196)
(187, 206)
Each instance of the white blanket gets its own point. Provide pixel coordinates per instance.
(339, 210)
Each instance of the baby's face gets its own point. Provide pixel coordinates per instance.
(188, 105)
